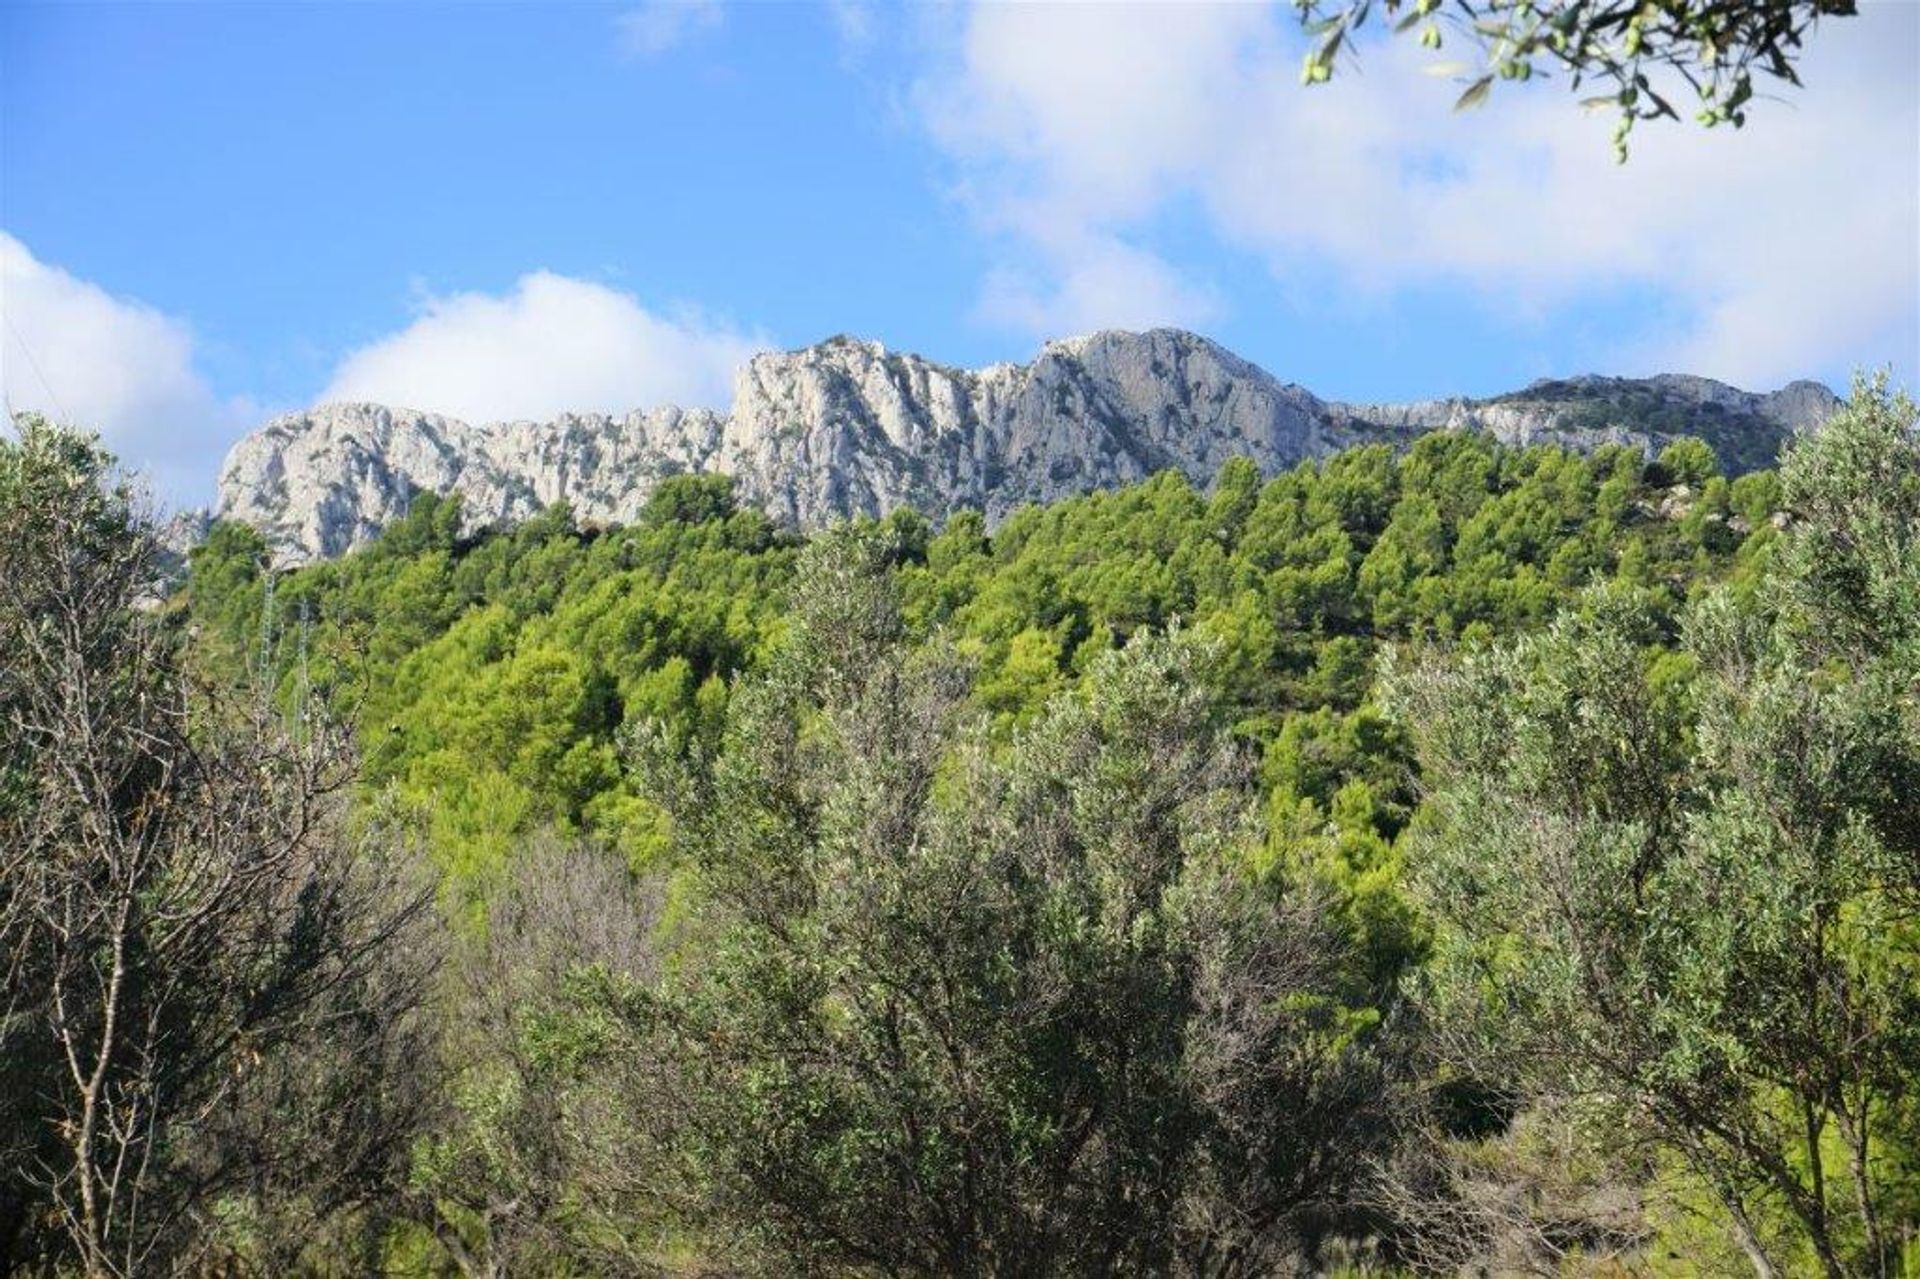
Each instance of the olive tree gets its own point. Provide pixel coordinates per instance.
(549, 1154)
(210, 1027)
(1639, 51)
(946, 1004)
(1678, 892)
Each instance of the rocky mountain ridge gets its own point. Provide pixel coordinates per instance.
(846, 427)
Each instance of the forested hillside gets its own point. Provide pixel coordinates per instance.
(491, 679)
(1467, 857)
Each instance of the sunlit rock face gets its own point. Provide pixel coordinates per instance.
(847, 427)
(320, 482)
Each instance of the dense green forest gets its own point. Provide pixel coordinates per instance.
(1467, 858)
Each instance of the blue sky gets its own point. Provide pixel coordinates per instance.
(216, 212)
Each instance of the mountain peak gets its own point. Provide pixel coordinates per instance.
(844, 427)
(837, 344)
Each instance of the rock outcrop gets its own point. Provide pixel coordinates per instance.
(847, 427)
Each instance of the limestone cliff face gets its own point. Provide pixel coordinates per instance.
(321, 482)
(849, 428)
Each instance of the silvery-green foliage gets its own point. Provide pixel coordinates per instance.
(951, 1004)
(1849, 578)
(1679, 889)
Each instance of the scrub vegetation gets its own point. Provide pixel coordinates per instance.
(1466, 857)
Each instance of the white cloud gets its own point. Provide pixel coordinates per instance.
(1095, 109)
(73, 351)
(1790, 246)
(1098, 283)
(552, 344)
(654, 27)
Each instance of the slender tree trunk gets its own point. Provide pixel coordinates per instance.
(1749, 1241)
(1728, 1193)
(93, 1214)
(1814, 1210)
(1858, 1168)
